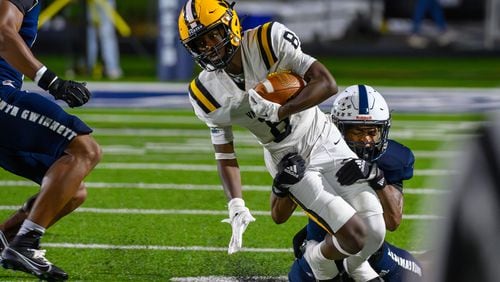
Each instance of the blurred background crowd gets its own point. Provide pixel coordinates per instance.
(95, 34)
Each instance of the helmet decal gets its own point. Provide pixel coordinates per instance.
(363, 101)
(190, 16)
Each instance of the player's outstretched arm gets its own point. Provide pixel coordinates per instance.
(15, 51)
(239, 215)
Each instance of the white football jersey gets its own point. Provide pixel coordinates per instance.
(220, 103)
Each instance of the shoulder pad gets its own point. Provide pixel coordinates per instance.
(397, 163)
(265, 43)
(202, 96)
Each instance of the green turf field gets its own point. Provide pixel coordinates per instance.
(155, 204)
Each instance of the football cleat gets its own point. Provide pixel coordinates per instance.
(3, 244)
(30, 259)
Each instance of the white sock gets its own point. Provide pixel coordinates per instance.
(323, 268)
(29, 225)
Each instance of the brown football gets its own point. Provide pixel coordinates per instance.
(280, 87)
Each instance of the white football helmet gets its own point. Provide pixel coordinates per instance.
(363, 105)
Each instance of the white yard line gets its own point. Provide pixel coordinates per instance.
(444, 133)
(173, 248)
(203, 212)
(163, 248)
(201, 187)
(204, 149)
(228, 278)
(197, 167)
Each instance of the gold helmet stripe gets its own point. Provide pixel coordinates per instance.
(265, 44)
(313, 216)
(202, 97)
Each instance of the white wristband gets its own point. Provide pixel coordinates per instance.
(236, 202)
(39, 74)
(225, 156)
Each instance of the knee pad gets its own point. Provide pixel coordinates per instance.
(375, 232)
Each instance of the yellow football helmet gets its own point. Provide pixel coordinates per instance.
(199, 17)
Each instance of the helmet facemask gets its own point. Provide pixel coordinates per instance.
(358, 110)
(217, 56)
(366, 151)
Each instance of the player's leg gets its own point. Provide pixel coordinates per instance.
(333, 214)
(32, 166)
(395, 264)
(58, 195)
(63, 180)
(368, 208)
(42, 127)
(11, 225)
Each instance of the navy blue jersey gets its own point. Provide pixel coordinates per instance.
(397, 163)
(35, 131)
(28, 31)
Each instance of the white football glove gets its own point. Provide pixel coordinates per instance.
(263, 108)
(239, 218)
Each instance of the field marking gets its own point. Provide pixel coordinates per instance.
(162, 248)
(252, 168)
(176, 148)
(174, 248)
(229, 278)
(426, 134)
(197, 187)
(204, 212)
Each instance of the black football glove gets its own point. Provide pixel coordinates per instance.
(356, 169)
(376, 180)
(291, 170)
(75, 94)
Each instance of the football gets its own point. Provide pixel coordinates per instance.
(279, 87)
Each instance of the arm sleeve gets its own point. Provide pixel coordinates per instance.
(221, 135)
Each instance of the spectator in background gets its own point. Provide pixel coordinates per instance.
(100, 31)
(416, 39)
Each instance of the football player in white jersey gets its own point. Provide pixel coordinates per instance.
(222, 96)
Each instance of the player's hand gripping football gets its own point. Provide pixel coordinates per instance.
(291, 170)
(239, 218)
(263, 108)
(356, 169)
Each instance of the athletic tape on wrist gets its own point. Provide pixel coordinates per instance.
(225, 156)
(39, 74)
(45, 77)
(236, 202)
